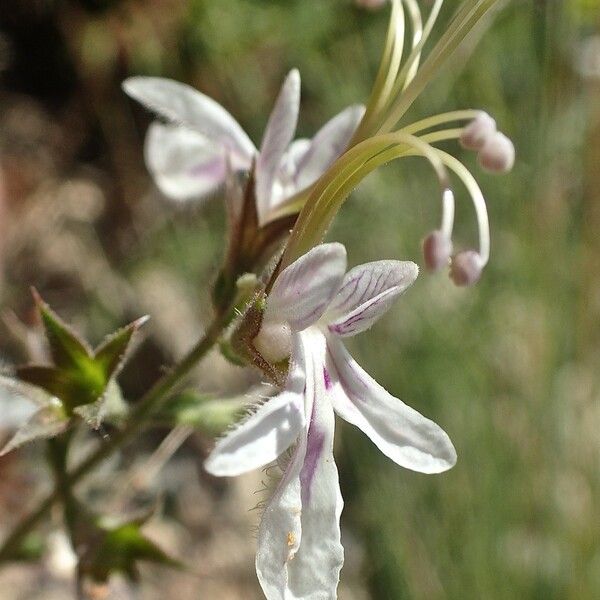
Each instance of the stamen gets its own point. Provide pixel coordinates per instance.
(414, 12)
(370, 4)
(437, 248)
(478, 132)
(478, 203)
(441, 119)
(466, 268)
(498, 154)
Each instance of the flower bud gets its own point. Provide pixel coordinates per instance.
(478, 131)
(437, 248)
(497, 154)
(466, 268)
(274, 341)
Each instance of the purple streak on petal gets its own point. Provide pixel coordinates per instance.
(344, 381)
(213, 169)
(314, 448)
(327, 378)
(346, 326)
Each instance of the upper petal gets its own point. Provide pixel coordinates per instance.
(277, 137)
(183, 104)
(329, 143)
(400, 432)
(183, 163)
(367, 292)
(299, 553)
(268, 432)
(303, 291)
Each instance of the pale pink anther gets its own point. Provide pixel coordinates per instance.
(437, 248)
(466, 268)
(478, 131)
(497, 154)
(370, 4)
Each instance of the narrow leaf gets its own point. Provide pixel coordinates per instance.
(112, 353)
(73, 388)
(68, 350)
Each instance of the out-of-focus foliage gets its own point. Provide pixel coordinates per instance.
(508, 368)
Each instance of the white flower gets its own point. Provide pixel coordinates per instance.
(188, 157)
(299, 551)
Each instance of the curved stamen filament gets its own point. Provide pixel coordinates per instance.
(412, 66)
(347, 172)
(478, 202)
(464, 21)
(467, 114)
(388, 70)
(470, 184)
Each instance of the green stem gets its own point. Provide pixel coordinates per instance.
(150, 403)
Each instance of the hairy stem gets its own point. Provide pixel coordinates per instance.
(150, 403)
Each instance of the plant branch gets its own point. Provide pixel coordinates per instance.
(150, 403)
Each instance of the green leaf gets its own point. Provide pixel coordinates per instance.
(118, 549)
(73, 387)
(67, 349)
(81, 377)
(111, 354)
(109, 407)
(30, 550)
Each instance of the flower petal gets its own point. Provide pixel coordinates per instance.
(400, 432)
(299, 553)
(277, 137)
(329, 143)
(44, 423)
(284, 185)
(367, 292)
(183, 163)
(267, 433)
(186, 106)
(304, 290)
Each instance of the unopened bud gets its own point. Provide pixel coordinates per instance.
(466, 268)
(478, 131)
(497, 154)
(437, 248)
(274, 342)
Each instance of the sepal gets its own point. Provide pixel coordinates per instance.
(204, 412)
(67, 349)
(107, 546)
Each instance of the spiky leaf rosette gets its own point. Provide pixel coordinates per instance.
(80, 382)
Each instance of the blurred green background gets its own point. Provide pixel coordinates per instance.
(508, 368)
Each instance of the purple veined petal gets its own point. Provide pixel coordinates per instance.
(400, 432)
(366, 293)
(299, 553)
(277, 137)
(303, 291)
(184, 164)
(182, 104)
(329, 143)
(284, 185)
(268, 432)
